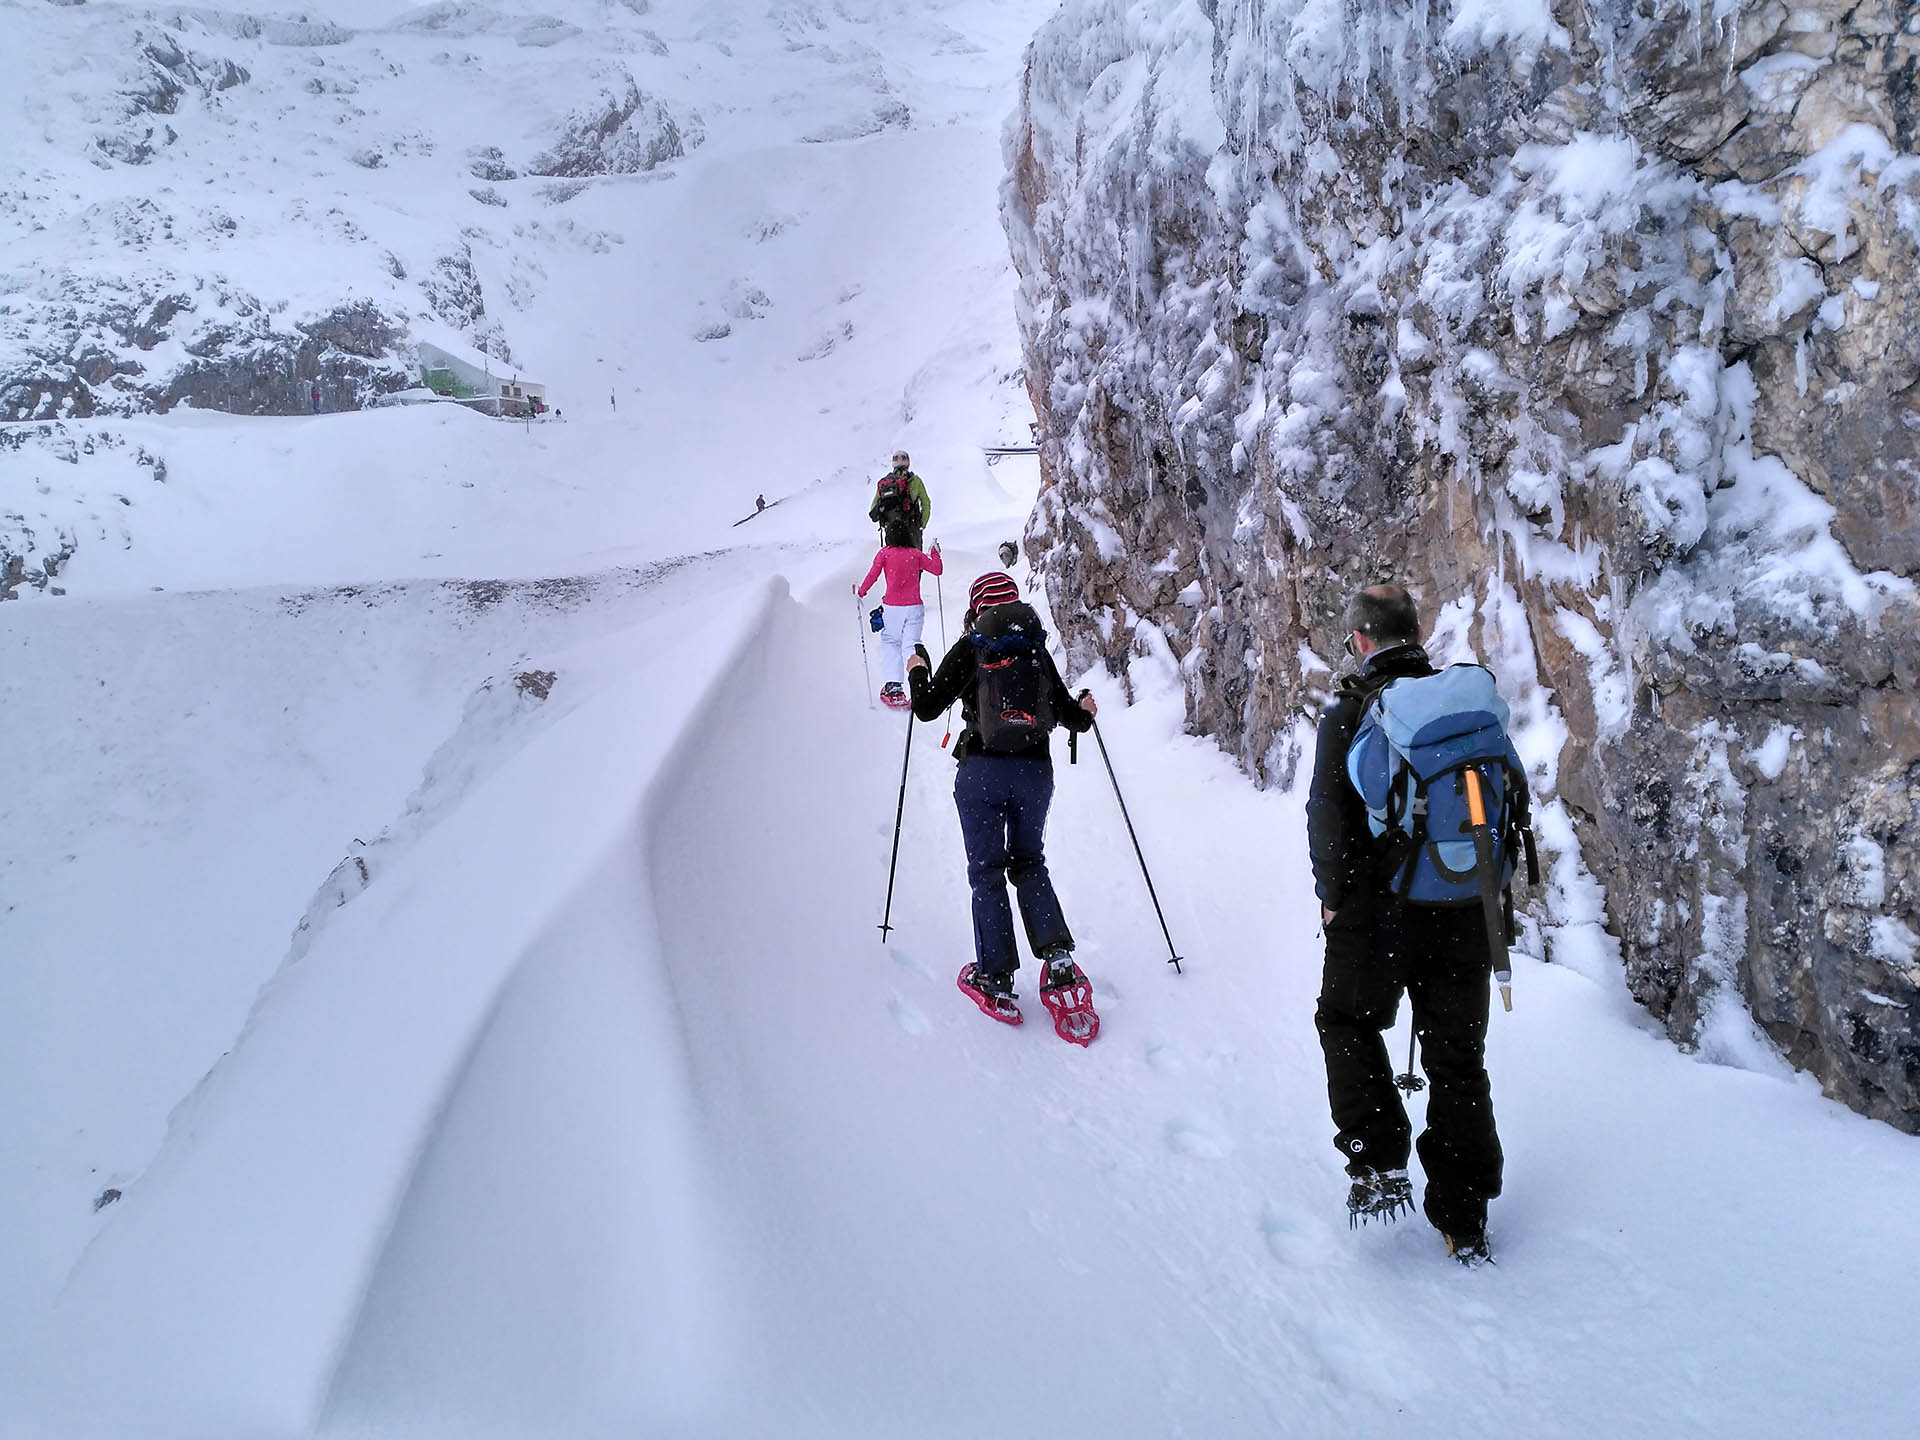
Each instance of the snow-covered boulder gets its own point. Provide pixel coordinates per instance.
(1592, 322)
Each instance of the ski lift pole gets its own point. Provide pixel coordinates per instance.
(1173, 955)
(1489, 889)
(899, 811)
(860, 624)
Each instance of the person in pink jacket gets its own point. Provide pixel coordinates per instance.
(903, 611)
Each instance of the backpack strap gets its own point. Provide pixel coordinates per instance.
(1520, 825)
(1415, 843)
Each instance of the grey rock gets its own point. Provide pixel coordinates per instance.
(1572, 342)
(626, 132)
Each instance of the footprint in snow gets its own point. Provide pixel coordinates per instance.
(908, 1017)
(1190, 1137)
(907, 963)
(1165, 1055)
(1359, 1361)
(1291, 1242)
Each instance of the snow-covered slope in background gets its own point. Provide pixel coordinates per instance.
(438, 868)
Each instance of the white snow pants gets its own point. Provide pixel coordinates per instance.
(902, 633)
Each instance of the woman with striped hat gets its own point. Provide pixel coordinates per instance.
(1011, 696)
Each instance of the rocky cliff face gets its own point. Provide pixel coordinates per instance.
(261, 215)
(1595, 323)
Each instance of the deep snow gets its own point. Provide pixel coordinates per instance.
(601, 1109)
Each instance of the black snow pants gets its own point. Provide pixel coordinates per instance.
(1438, 956)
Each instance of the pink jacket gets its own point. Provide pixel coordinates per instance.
(903, 565)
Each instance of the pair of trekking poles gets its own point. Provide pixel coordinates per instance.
(1073, 758)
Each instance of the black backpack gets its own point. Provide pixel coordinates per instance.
(892, 500)
(1013, 684)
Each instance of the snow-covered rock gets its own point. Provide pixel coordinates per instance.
(1591, 322)
(256, 214)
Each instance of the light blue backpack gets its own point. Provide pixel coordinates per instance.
(1430, 755)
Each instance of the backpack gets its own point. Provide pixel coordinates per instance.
(1429, 749)
(891, 499)
(1013, 684)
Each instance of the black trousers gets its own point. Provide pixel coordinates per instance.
(1438, 956)
(1003, 800)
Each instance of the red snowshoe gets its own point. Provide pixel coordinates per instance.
(1068, 996)
(995, 1005)
(894, 697)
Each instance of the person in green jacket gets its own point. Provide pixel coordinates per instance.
(901, 495)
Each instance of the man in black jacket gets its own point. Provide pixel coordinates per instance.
(1003, 795)
(1377, 947)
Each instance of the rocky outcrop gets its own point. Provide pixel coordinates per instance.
(624, 132)
(162, 73)
(1592, 322)
(224, 351)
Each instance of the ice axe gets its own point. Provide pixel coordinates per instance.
(1489, 890)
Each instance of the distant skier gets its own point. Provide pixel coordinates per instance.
(1011, 696)
(901, 495)
(904, 614)
(759, 503)
(1383, 939)
(315, 398)
(613, 401)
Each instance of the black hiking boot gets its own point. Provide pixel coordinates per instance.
(1470, 1249)
(1057, 970)
(1378, 1195)
(997, 987)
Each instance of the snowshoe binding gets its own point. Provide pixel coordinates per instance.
(993, 994)
(1068, 996)
(1379, 1195)
(893, 696)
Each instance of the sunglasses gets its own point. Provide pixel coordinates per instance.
(1347, 645)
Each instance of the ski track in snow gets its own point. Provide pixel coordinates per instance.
(601, 1108)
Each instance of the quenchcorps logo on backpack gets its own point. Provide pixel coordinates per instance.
(1012, 693)
(1444, 789)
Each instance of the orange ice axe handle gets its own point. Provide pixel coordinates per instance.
(1489, 877)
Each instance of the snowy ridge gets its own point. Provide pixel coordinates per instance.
(431, 952)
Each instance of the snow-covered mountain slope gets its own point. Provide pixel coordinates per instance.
(439, 864)
(234, 208)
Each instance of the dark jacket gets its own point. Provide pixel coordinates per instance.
(1339, 842)
(954, 680)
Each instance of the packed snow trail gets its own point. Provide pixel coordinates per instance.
(929, 1224)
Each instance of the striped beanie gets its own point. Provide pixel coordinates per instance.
(993, 588)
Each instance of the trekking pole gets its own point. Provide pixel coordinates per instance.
(860, 624)
(940, 589)
(1410, 1082)
(899, 810)
(1173, 956)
